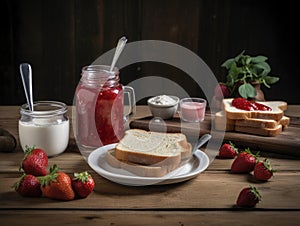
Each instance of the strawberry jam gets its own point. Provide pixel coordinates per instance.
(247, 105)
(99, 107)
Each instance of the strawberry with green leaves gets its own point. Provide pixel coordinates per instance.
(83, 184)
(248, 197)
(28, 186)
(228, 151)
(35, 161)
(263, 170)
(57, 185)
(244, 162)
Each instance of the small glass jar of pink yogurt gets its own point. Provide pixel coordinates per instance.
(192, 109)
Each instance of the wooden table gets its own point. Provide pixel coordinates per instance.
(207, 199)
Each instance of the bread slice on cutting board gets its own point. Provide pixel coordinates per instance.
(278, 108)
(263, 123)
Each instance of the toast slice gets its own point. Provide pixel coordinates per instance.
(277, 112)
(262, 127)
(157, 170)
(148, 148)
(269, 132)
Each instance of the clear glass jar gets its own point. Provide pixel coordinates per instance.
(46, 127)
(99, 107)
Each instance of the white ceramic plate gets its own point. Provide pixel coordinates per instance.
(97, 161)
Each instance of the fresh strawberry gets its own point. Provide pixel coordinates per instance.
(228, 151)
(221, 91)
(57, 185)
(35, 162)
(83, 184)
(248, 197)
(263, 170)
(244, 162)
(28, 185)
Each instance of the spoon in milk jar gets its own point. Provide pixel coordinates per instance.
(26, 75)
(120, 46)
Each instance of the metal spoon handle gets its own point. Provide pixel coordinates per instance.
(120, 46)
(203, 139)
(26, 75)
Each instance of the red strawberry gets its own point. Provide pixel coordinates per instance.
(57, 185)
(263, 170)
(35, 161)
(248, 197)
(83, 184)
(221, 91)
(244, 162)
(28, 185)
(228, 151)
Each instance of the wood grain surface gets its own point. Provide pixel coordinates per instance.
(207, 199)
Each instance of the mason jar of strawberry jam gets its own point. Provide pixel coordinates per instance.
(99, 107)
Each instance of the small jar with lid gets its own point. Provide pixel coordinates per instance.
(99, 107)
(46, 127)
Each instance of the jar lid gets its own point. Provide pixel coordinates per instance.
(44, 109)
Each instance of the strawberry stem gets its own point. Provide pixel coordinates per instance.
(51, 177)
(83, 176)
(255, 192)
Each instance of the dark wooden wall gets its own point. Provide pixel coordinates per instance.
(59, 37)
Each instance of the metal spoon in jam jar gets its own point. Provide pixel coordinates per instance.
(120, 46)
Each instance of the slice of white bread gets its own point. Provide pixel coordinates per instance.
(262, 127)
(147, 147)
(157, 170)
(269, 132)
(278, 108)
(223, 123)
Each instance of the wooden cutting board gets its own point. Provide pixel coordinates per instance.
(286, 143)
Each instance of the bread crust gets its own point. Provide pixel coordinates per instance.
(157, 170)
(262, 127)
(270, 132)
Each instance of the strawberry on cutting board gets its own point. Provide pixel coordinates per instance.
(35, 161)
(244, 162)
(263, 170)
(248, 197)
(228, 151)
(28, 185)
(57, 185)
(83, 184)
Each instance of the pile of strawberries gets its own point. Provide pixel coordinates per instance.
(37, 181)
(246, 162)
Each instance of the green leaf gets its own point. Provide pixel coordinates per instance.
(271, 80)
(259, 59)
(264, 66)
(227, 64)
(237, 58)
(263, 81)
(247, 90)
(248, 60)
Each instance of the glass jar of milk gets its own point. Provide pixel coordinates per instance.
(46, 127)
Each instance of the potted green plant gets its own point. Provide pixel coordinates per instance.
(246, 73)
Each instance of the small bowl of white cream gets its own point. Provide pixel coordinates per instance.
(163, 106)
(46, 127)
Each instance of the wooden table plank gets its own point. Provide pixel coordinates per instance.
(136, 218)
